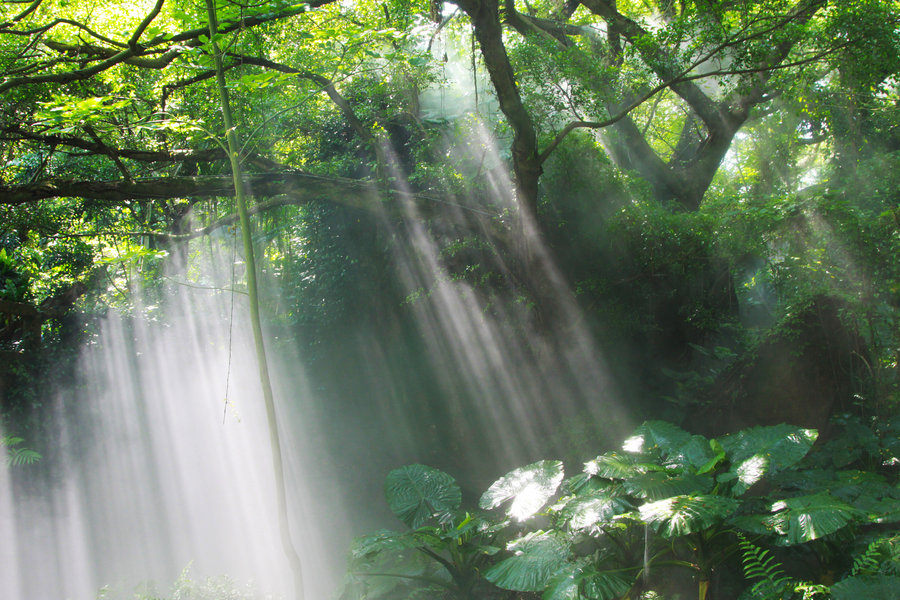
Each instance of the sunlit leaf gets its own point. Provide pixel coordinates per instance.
(662, 435)
(682, 515)
(593, 509)
(528, 487)
(801, 519)
(612, 465)
(758, 451)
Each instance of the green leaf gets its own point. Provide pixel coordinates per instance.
(696, 454)
(658, 435)
(22, 456)
(870, 587)
(758, 451)
(382, 540)
(612, 465)
(564, 584)
(682, 515)
(760, 564)
(528, 487)
(537, 557)
(416, 493)
(599, 507)
(803, 518)
(719, 452)
(601, 585)
(569, 581)
(16, 457)
(658, 485)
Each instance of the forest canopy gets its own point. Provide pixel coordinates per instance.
(642, 139)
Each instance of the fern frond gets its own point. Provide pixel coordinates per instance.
(867, 562)
(22, 456)
(761, 565)
(18, 456)
(880, 556)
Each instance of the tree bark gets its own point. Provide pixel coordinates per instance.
(485, 17)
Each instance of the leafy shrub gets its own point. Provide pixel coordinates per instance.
(668, 500)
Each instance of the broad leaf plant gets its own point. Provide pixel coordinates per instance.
(668, 501)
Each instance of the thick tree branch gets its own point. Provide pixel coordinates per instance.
(661, 60)
(301, 187)
(156, 188)
(657, 58)
(97, 146)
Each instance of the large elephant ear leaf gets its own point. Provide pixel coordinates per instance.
(606, 585)
(677, 446)
(759, 451)
(870, 587)
(528, 487)
(801, 519)
(563, 585)
(656, 485)
(381, 541)
(681, 515)
(416, 493)
(806, 518)
(577, 581)
(587, 511)
(536, 558)
(657, 435)
(612, 465)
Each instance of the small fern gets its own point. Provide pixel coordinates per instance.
(881, 556)
(868, 561)
(761, 565)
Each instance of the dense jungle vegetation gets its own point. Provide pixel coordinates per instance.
(708, 191)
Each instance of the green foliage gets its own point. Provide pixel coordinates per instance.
(771, 583)
(682, 515)
(417, 493)
(536, 558)
(670, 499)
(186, 587)
(875, 572)
(760, 564)
(16, 456)
(805, 518)
(528, 487)
(760, 451)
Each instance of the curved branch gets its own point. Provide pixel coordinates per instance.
(582, 124)
(136, 53)
(142, 27)
(30, 9)
(323, 82)
(63, 21)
